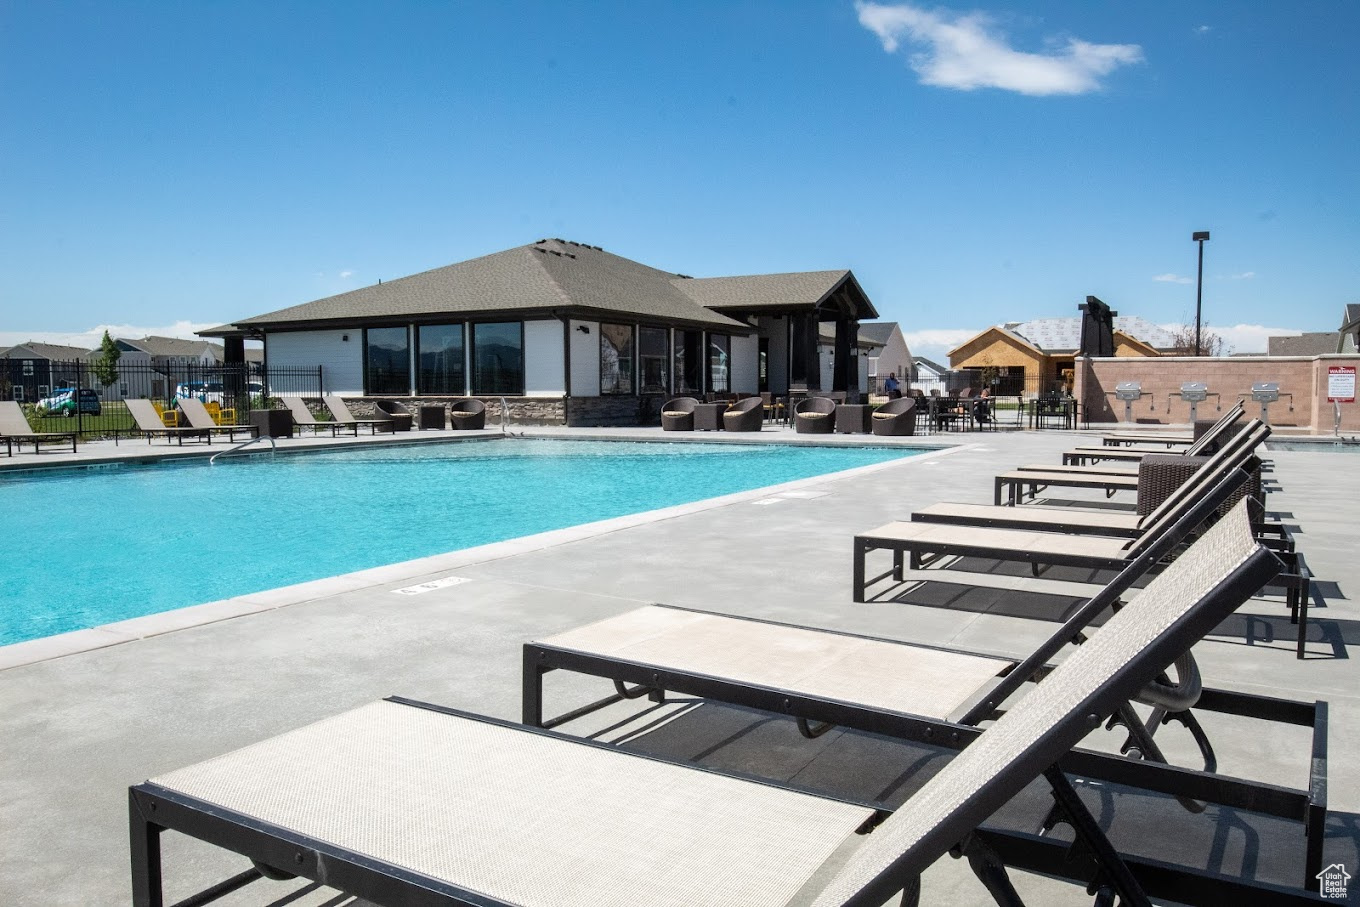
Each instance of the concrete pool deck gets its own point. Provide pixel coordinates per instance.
(78, 728)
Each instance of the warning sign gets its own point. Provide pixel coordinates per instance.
(1340, 384)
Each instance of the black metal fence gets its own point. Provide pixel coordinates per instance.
(66, 395)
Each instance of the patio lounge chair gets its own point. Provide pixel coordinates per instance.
(1235, 454)
(1124, 462)
(746, 414)
(340, 413)
(150, 425)
(303, 418)
(201, 419)
(402, 803)
(678, 414)
(14, 428)
(467, 415)
(815, 415)
(1207, 443)
(894, 418)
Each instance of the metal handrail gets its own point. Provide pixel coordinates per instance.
(505, 417)
(273, 448)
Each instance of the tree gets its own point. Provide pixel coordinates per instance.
(105, 368)
(1183, 337)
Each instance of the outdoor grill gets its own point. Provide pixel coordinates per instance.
(1194, 393)
(1266, 393)
(1129, 391)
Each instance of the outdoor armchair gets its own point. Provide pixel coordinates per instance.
(401, 417)
(896, 417)
(467, 415)
(745, 415)
(815, 415)
(678, 414)
(14, 427)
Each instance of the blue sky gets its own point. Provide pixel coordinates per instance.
(170, 165)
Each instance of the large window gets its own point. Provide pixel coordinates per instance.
(616, 358)
(654, 360)
(387, 361)
(689, 363)
(439, 352)
(719, 363)
(498, 358)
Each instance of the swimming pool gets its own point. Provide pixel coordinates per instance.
(90, 547)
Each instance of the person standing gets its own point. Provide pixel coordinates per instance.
(893, 388)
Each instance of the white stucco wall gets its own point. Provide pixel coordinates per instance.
(544, 361)
(585, 359)
(341, 361)
(746, 365)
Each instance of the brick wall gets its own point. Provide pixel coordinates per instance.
(1303, 377)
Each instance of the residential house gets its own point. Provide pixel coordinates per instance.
(570, 333)
(1032, 357)
(893, 356)
(1313, 343)
(32, 370)
(931, 377)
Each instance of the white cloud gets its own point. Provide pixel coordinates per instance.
(1245, 275)
(91, 338)
(1204, 29)
(1173, 278)
(346, 275)
(936, 344)
(966, 52)
(1244, 338)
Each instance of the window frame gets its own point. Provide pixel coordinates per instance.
(463, 335)
(370, 390)
(474, 378)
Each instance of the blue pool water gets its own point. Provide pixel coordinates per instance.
(89, 547)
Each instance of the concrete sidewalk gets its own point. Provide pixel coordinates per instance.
(75, 731)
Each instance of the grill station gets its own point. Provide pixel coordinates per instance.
(1194, 393)
(1266, 393)
(1130, 391)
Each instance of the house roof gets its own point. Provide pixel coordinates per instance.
(1063, 335)
(826, 332)
(546, 276)
(879, 332)
(1351, 318)
(922, 361)
(1315, 343)
(172, 346)
(804, 289)
(36, 350)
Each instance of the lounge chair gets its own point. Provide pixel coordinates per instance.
(399, 802)
(402, 418)
(1123, 461)
(815, 415)
(746, 414)
(201, 419)
(303, 418)
(1234, 454)
(150, 424)
(895, 418)
(340, 413)
(678, 414)
(1207, 443)
(14, 428)
(467, 415)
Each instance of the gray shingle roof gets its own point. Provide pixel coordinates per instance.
(930, 364)
(172, 346)
(1315, 343)
(39, 350)
(877, 331)
(760, 291)
(548, 275)
(1351, 316)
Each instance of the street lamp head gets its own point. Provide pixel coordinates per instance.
(1201, 236)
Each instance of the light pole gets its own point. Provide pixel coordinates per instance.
(1199, 237)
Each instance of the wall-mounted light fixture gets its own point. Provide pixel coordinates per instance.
(583, 328)
(344, 338)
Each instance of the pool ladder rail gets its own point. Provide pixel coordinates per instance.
(273, 448)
